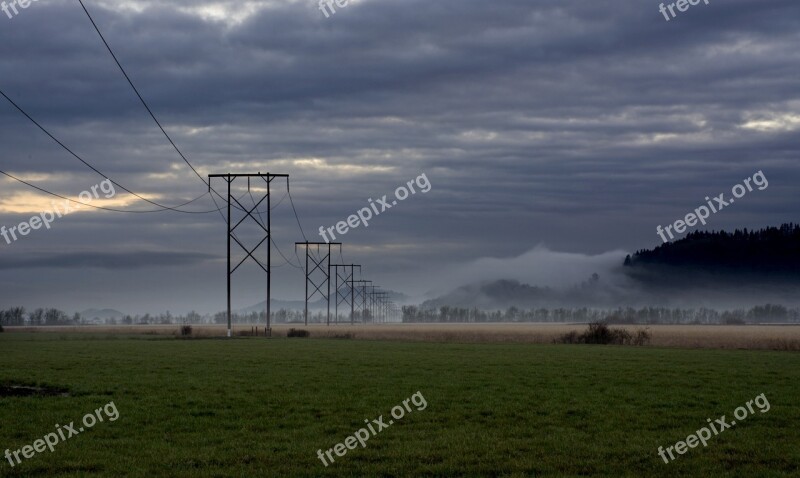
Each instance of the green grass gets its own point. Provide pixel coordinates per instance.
(257, 407)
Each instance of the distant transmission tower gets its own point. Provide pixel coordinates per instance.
(322, 264)
(360, 287)
(348, 296)
(381, 306)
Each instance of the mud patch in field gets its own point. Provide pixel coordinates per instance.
(20, 390)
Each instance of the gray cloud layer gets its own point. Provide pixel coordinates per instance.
(102, 260)
(579, 125)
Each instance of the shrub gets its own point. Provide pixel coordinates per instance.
(642, 338)
(601, 333)
(1, 328)
(598, 333)
(571, 338)
(186, 330)
(298, 333)
(621, 337)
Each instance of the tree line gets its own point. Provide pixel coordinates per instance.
(768, 250)
(18, 316)
(769, 313)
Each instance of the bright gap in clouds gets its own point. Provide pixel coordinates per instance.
(230, 13)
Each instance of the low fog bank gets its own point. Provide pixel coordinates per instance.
(545, 278)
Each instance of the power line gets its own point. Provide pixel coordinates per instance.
(87, 164)
(218, 207)
(208, 183)
(253, 199)
(284, 257)
(272, 208)
(289, 192)
(158, 123)
(139, 95)
(279, 202)
(153, 116)
(90, 205)
(147, 107)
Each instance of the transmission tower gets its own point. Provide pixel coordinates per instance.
(230, 179)
(322, 264)
(361, 293)
(348, 297)
(371, 300)
(382, 301)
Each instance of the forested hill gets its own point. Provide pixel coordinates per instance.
(774, 251)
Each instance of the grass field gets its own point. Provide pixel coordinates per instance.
(256, 407)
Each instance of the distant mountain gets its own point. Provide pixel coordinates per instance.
(277, 304)
(505, 293)
(315, 305)
(90, 314)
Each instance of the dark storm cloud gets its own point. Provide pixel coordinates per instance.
(580, 125)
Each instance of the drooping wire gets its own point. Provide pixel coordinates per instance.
(299, 261)
(90, 205)
(152, 115)
(219, 209)
(289, 192)
(284, 257)
(149, 110)
(87, 164)
(279, 202)
(108, 47)
(261, 218)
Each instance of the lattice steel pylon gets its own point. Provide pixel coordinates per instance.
(382, 300)
(318, 265)
(370, 301)
(229, 179)
(347, 281)
(360, 298)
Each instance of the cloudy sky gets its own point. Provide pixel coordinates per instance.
(570, 127)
